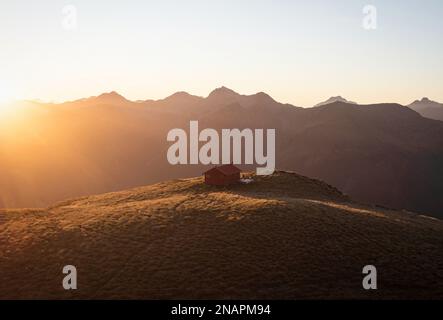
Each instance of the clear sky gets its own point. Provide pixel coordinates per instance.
(300, 52)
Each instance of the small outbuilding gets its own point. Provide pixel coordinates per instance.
(222, 175)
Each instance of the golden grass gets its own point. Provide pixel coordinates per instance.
(281, 237)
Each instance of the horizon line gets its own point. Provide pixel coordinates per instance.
(115, 92)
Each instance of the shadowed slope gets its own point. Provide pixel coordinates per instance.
(284, 236)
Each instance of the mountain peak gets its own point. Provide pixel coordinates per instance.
(334, 99)
(183, 98)
(425, 102)
(179, 94)
(112, 96)
(428, 108)
(422, 100)
(263, 95)
(222, 92)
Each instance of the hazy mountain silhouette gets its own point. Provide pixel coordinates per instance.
(108, 98)
(334, 99)
(383, 153)
(428, 108)
(222, 97)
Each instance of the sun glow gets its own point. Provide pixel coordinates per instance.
(8, 94)
(5, 95)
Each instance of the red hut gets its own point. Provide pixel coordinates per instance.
(223, 175)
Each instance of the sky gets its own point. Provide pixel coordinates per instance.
(299, 52)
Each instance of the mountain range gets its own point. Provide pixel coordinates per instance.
(383, 154)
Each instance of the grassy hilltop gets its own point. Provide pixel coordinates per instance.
(283, 236)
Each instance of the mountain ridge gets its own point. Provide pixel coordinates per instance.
(382, 153)
(114, 97)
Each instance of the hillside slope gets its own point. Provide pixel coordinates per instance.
(381, 153)
(284, 236)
